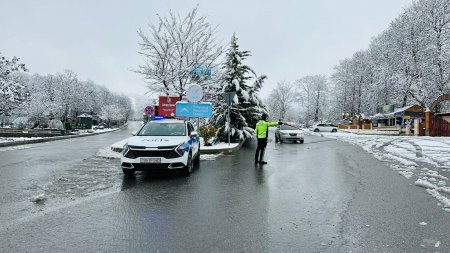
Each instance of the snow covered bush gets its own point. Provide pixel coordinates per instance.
(20, 123)
(56, 124)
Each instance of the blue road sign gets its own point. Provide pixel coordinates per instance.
(202, 72)
(201, 110)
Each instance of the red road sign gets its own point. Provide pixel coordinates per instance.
(167, 106)
(149, 110)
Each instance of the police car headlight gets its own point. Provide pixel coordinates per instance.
(180, 149)
(125, 149)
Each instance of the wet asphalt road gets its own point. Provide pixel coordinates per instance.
(321, 196)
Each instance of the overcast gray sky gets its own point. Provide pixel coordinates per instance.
(97, 39)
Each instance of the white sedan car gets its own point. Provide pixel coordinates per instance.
(162, 144)
(287, 133)
(324, 127)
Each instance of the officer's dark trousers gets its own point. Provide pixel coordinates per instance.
(262, 143)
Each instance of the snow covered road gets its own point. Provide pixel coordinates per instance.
(424, 160)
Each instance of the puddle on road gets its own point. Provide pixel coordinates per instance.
(86, 179)
(91, 177)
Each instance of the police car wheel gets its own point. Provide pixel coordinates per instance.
(197, 157)
(190, 165)
(128, 172)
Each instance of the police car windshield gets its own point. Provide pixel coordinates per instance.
(285, 127)
(163, 129)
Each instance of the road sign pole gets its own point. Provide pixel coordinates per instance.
(229, 125)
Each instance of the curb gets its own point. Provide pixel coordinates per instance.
(48, 139)
(222, 150)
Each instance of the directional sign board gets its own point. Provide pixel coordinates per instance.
(149, 110)
(201, 110)
(202, 72)
(228, 96)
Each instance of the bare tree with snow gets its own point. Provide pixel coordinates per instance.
(313, 94)
(12, 92)
(281, 100)
(174, 49)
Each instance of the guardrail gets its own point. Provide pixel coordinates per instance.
(8, 132)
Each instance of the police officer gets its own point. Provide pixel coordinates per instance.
(262, 132)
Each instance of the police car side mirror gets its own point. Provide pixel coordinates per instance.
(194, 133)
(134, 133)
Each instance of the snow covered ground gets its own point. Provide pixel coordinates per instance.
(424, 160)
(14, 139)
(81, 132)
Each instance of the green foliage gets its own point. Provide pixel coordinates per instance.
(68, 126)
(207, 132)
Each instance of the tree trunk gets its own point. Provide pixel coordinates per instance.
(316, 112)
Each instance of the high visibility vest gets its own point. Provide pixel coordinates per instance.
(262, 128)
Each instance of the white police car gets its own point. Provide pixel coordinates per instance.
(162, 144)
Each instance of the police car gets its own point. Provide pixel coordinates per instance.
(162, 144)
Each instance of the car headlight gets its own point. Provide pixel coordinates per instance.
(181, 149)
(125, 149)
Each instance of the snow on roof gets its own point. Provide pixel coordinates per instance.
(399, 110)
(377, 116)
(403, 108)
(85, 115)
(362, 116)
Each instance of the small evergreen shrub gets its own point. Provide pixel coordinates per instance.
(207, 132)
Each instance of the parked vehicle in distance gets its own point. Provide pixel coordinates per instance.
(324, 127)
(288, 133)
(162, 144)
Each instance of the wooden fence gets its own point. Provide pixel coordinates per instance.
(363, 126)
(439, 127)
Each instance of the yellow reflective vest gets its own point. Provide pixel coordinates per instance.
(262, 128)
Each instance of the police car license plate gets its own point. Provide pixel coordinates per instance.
(150, 160)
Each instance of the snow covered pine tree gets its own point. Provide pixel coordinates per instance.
(247, 106)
